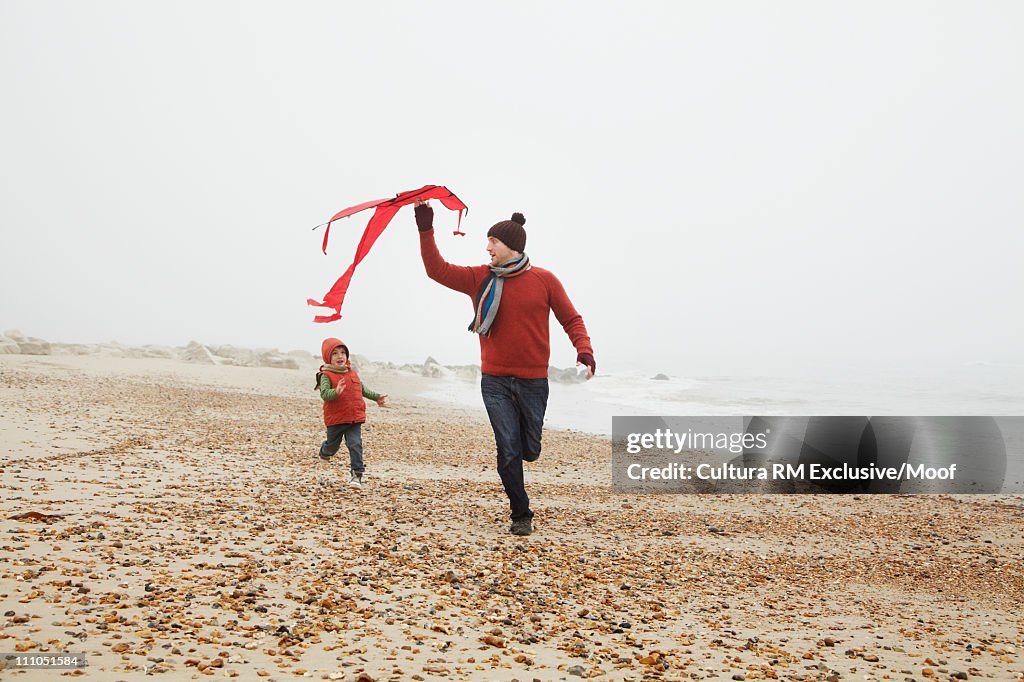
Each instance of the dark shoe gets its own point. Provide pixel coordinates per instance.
(521, 527)
(531, 458)
(326, 458)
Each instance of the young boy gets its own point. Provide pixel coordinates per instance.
(344, 408)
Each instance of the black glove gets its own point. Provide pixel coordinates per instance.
(424, 217)
(588, 360)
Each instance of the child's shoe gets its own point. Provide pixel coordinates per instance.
(356, 481)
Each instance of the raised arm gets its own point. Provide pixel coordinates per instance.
(326, 392)
(458, 277)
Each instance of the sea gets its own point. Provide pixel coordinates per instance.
(974, 388)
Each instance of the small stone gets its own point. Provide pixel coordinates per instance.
(576, 670)
(494, 641)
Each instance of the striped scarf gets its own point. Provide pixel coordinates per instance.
(488, 296)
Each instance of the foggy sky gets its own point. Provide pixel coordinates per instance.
(717, 185)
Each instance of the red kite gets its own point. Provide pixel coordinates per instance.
(386, 210)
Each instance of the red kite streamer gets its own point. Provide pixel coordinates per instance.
(386, 210)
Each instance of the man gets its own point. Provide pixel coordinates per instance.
(511, 303)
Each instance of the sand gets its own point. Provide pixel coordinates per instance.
(189, 531)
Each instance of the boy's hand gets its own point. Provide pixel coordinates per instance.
(341, 386)
(382, 400)
(424, 215)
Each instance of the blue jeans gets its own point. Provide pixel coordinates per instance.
(353, 435)
(516, 410)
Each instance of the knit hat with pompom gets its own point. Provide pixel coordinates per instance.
(510, 232)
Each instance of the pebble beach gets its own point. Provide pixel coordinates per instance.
(173, 520)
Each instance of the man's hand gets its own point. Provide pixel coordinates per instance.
(588, 360)
(382, 400)
(424, 215)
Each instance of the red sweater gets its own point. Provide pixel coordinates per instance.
(519, 342)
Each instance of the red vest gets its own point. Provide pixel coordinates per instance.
(349, 407)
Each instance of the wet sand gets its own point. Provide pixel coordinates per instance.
(190, 531)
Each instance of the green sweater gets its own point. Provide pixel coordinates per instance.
(328, 393)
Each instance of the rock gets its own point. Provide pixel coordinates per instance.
(32, 346)
(576, 670)
(566, 376)
(241, 357)
(467, 372)
(162, 352)
(494, 641)
(8, 346)
(233, 356)
(659, 377)
(14, 334)
(432, 368)
(198, 353)
(278, 361)
(115, 350)
(361, 363)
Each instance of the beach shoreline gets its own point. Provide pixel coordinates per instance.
(193, 532)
